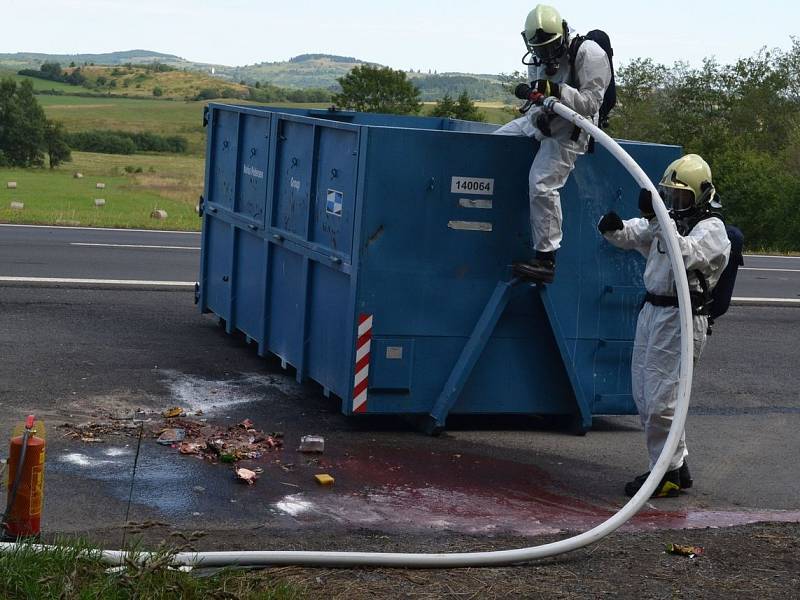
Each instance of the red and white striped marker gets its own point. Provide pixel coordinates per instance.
(361, 381)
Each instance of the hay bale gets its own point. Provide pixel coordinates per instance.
(101, 186)
(17, 205)
(99, 202)
(158, 214)
(77, 175)
(12, 185)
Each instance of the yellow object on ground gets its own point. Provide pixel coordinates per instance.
(324, 479)
(171, 413)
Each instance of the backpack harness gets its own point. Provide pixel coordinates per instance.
(712, 303)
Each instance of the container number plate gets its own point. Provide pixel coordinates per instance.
(472, 185)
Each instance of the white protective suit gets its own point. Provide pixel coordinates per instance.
(655, 365)
(581, 89)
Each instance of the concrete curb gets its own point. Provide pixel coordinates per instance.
(786, 302)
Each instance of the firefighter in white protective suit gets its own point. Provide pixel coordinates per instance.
(689, 194)
(577, 71)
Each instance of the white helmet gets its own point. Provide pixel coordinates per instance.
(545, 35)
(686, 186)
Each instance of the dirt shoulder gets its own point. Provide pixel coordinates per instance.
(753, 561)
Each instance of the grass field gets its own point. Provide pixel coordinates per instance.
(43, 84)
(495, 112)
(135, 82)
(73, 571)
(168, 182)
(156, 116)
(169, 117)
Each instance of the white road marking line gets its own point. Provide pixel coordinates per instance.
(135, 246)
(767, 269)
(98, 228)
(744, 300)
(770, 256)
(97, 281)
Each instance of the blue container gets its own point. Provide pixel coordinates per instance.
(372, 253)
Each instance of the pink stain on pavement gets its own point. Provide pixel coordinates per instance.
(417, 490)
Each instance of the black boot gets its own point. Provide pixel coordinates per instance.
(541, 268)
(685, 476)
(669, 487)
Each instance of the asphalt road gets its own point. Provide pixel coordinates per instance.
(769, 277)
(75, 355)
(83, 355)
(154, 256)
(98, 254)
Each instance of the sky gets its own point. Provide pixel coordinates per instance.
(475, 36)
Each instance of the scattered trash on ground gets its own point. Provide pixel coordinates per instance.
(324, 479)
(681, 550)
(246, 475)
(226, 445)
(97, 431)
(171, 436)
(312, 443)
(190, 436)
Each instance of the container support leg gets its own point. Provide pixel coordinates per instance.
(469, 356)
(583, 418)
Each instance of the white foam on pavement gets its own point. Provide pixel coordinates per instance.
(194, 393)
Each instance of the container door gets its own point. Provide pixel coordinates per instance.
(334, 201)
(251, 200)
(217, 284)
(294, 168)
(224, 150)
(247, 312)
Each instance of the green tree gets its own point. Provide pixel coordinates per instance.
(743, 118)
(76, 77)
(467, 110)
(158, 92)
(378, 89)
(22, 124)
(51, 70)
(446, 107)
(25, 133)
(463, 108)
(58, 151)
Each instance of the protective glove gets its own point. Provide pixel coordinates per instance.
(610, 222)
(548, 88)
(646, 204)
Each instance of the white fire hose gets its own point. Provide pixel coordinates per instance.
(499, 557)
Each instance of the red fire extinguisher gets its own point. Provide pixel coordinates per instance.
(25, 483)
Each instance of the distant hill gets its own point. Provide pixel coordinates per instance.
(304, 71)
(135, 81)
(34, 59)
(176, 83)
(301, 72)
